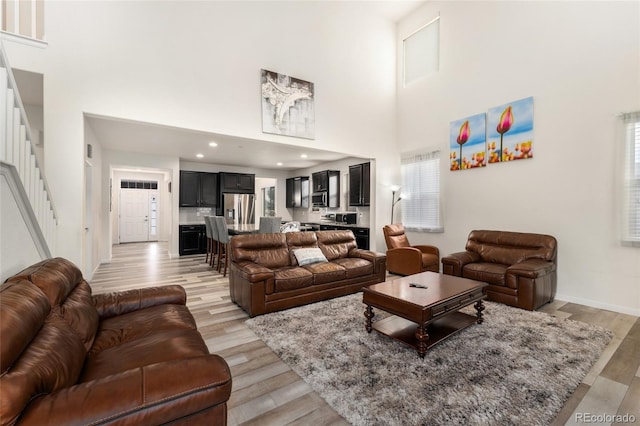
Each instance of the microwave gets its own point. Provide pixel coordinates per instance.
(319, 199)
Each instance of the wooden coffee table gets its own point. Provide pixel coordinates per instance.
(434, 309)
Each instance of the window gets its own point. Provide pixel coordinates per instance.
(422, 52)
(421, 192)
(631, 183)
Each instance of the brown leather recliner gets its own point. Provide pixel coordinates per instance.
(405, 259)
(127, 358)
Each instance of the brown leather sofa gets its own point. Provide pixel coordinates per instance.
(520, 268)
(265, 275)
(133, 357)
(405, 259)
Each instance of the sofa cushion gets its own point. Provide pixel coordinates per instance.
(161, 346)
(137, 324)
(297, 240)
(268, 250)
(326, 272)
(68, 293)
(291, 278)
(52, 361)
(308, 256)
(492, 273)
(336, 244)
(509, 248)
(355, 267)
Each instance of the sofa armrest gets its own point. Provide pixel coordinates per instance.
(112, 304)
(453, 263)
(404, 260)
(154, 394)
(532, 268)
(378, 259)
(253, 272)
(428, 249)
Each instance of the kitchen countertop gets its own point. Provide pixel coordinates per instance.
(346, 225)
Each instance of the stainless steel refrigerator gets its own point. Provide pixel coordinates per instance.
(239, 209)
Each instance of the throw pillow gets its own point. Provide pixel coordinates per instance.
(307, 256)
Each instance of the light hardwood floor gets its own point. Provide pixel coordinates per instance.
(267, 392)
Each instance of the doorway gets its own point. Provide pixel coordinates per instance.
(139, 215)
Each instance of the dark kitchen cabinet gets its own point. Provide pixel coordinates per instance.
(198, 189)
(297, 192)
(320, 181)
(192, 239)
(359, 184)
(237, 183)
(327, 181)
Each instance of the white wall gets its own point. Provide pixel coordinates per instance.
(93, 211)
(580, 62)
(197, 65)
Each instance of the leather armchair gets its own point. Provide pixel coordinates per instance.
(520, 268)
(405, 259)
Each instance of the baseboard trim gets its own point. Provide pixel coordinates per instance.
(595, 304)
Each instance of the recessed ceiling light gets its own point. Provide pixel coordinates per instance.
(303, 155)
(278, 164)
(213, 144)
(199, 155)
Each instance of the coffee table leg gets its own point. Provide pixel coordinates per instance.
(369, 314)
(422, 336)
(479, 308)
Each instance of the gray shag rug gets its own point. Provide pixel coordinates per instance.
(518, 367)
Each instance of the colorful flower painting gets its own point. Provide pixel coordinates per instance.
(510, 131)
(467, 138)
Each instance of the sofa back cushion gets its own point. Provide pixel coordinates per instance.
(298, 240)
(395, 236)
(47, 325)
(509, 248)
(268, 250)
(336, 244)
(68, 293)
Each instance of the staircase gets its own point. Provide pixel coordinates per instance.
(20, 168)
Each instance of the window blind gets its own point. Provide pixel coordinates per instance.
(631, 181)
(421, 209)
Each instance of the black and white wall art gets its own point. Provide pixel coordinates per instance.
(287, 105)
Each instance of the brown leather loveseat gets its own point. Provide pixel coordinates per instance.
(134, 357)
(520, 268)
(265, 275)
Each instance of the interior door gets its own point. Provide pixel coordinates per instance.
(134, 215)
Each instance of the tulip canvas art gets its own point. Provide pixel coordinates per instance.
(467, 138)
(510, 131)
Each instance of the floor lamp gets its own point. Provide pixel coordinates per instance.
(394, 189)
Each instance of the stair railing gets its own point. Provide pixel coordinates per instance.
(19, 163)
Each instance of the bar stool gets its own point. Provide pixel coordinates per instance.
(269, 225)
(209, 233)
(214, 241)
(223, 243)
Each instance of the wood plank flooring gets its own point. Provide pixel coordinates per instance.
(267, 392)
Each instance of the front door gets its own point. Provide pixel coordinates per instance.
(138, 215)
